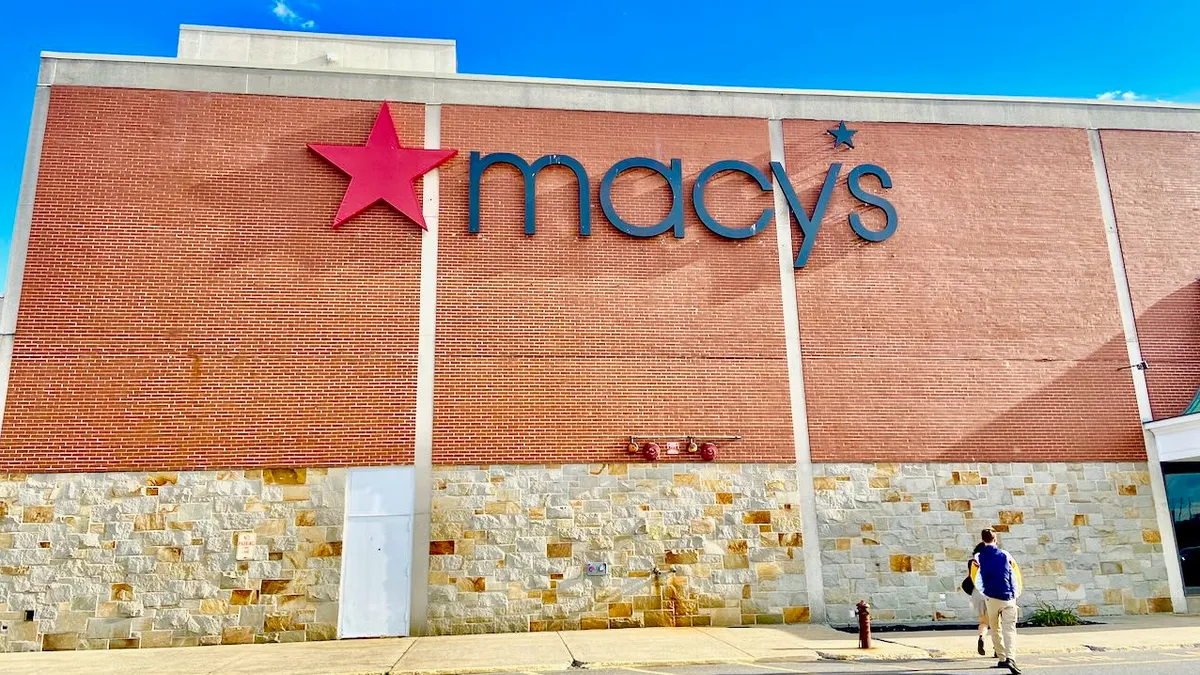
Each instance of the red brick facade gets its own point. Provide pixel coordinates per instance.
(987, 327)
(557, 347)
(1155, 182)
(186, 304)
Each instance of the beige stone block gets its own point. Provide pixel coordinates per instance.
(958, 505)
(795, 614)
(592, 623)
(38, 514)
(169, 554)
(756, 517)
(922, 563)
(642, 603)
(620, 609)
(824, 483)
(1151, 536)
(148, 521)
(275, 623)
(272, 527)
(682, 557)
(66, 622)
(880, 482)
(57, 642)
(214, 606)
(841, 544)
(241, 596)
(1127, 490)
(275, 586)
(1012, 517)
(558, 550)
(472, 584)
(503, 508)
(14, 570)
(1080, 519)
(793, 539)
(901, 563)
(126, 643)
(284, 476)
(237, 635)
(155, 639)
(162, 478)
(296, 493)
(1114, 596)
(1159, 605)
(737, 562)
(965, 478)
(331, 549)
(320, 631)
(767, 571)
(306, 518)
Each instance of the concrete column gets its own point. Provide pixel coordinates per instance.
(423, 449)
(791, 332)
(1125, 302)
(20, 237)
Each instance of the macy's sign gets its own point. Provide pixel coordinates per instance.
(382, 170)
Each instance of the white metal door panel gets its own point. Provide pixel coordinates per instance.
(377, 553)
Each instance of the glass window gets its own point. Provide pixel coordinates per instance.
(1183, 498)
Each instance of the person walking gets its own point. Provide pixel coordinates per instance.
(1000, 582)
(978, 600)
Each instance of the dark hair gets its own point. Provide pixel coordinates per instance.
(987, 536)
(978, 548)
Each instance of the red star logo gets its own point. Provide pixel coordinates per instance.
(381, 170)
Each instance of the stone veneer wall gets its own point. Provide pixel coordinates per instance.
(899, 536)
(123, 560)
(510, 546)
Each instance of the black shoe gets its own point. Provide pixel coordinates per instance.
(1012, 667)
(982, 651)
(1002, 664)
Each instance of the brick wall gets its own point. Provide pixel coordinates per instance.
(556, 347)
(987, 327)
(1155, 181)
(186, 303)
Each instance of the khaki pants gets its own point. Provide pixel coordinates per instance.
(1002, 620)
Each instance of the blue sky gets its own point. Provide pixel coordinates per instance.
(1113, 48)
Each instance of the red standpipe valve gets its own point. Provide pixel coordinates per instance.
(864, 625)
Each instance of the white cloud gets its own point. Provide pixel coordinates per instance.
(1119, 94)
(288, 16)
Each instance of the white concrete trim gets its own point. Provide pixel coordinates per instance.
(426, 351)
(1182, 422)
(1158, 486)
(457, 89)
(19, 248)
(813, 576)
(319, 36)
(1117, 260)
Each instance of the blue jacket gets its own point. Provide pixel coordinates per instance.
(999, 576)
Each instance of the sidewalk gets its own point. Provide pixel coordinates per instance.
(558, 651)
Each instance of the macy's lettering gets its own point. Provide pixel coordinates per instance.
(810, 224)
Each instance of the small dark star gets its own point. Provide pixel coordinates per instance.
(842, 135)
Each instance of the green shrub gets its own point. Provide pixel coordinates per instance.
(1048, 616)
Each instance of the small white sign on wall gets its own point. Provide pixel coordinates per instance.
(245, 545)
